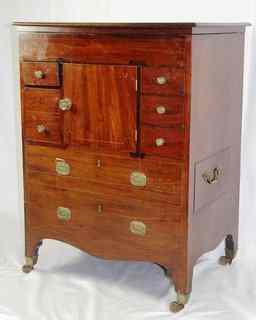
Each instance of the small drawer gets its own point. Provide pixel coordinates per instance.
(163, 81)
(212, 179)
(41, 100)
(167, 142)
(43, 127)
(40, 74)
(162, 111)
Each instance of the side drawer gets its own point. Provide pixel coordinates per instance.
(212, 178)
(40, 74)
(163, 81)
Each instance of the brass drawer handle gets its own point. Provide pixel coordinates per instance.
(65, 104)
(138, 179)
(62, 167)
(41, 128)
(161, 110)
(39, 74)
(63, 213)
(160, 142)
(212, 177)
(161, 80)
(138, 228)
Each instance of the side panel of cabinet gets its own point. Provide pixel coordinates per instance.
(104, 103)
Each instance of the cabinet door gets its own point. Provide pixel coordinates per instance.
(104, 105)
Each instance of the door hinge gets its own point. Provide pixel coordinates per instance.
(136, 85)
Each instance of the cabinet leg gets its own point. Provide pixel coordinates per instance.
(180, 302)
(31, 261)
(182, 279)
(230, 251)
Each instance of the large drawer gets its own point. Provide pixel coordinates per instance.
(76, 169)
(99, 204)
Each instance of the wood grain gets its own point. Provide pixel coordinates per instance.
(103, 49)
(104, 100)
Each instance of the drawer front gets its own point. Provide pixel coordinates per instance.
(212, 179)
(40, 74)
(163, 81)
(162, 111)
(99, 234)
(168, 142)
(136, 179)
(99, 204)
(40, 127)
(41, 100)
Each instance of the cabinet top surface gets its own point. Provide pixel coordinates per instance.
(150, 28)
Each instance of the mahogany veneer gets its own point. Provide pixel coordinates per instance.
(131, 140)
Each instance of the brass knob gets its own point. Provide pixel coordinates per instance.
(161, 80)
(39, 74)
(65, 104)
(160, 142)
(160, 109)
(41, 128)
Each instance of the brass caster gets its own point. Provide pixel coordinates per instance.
(223, 261)
(29, 264)
(176, 307)
(26, 268)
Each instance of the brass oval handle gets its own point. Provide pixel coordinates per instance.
(138, 179)
(39, 74)
(41, 128)
(62, 167)
(160, 142)
(65, 104)
(212, 177)
(138, 228)
(63, 213)
(160, 109)
(161, 80)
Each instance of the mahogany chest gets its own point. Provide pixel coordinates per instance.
(131, 140)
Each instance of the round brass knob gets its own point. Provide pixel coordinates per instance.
(41, 128)
(160, 109)
(39, 74)
(161, 80)
(160, 142)
(65, 104)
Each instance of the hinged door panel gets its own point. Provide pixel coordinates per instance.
(104, 98)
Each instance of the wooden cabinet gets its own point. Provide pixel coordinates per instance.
(131, 140)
